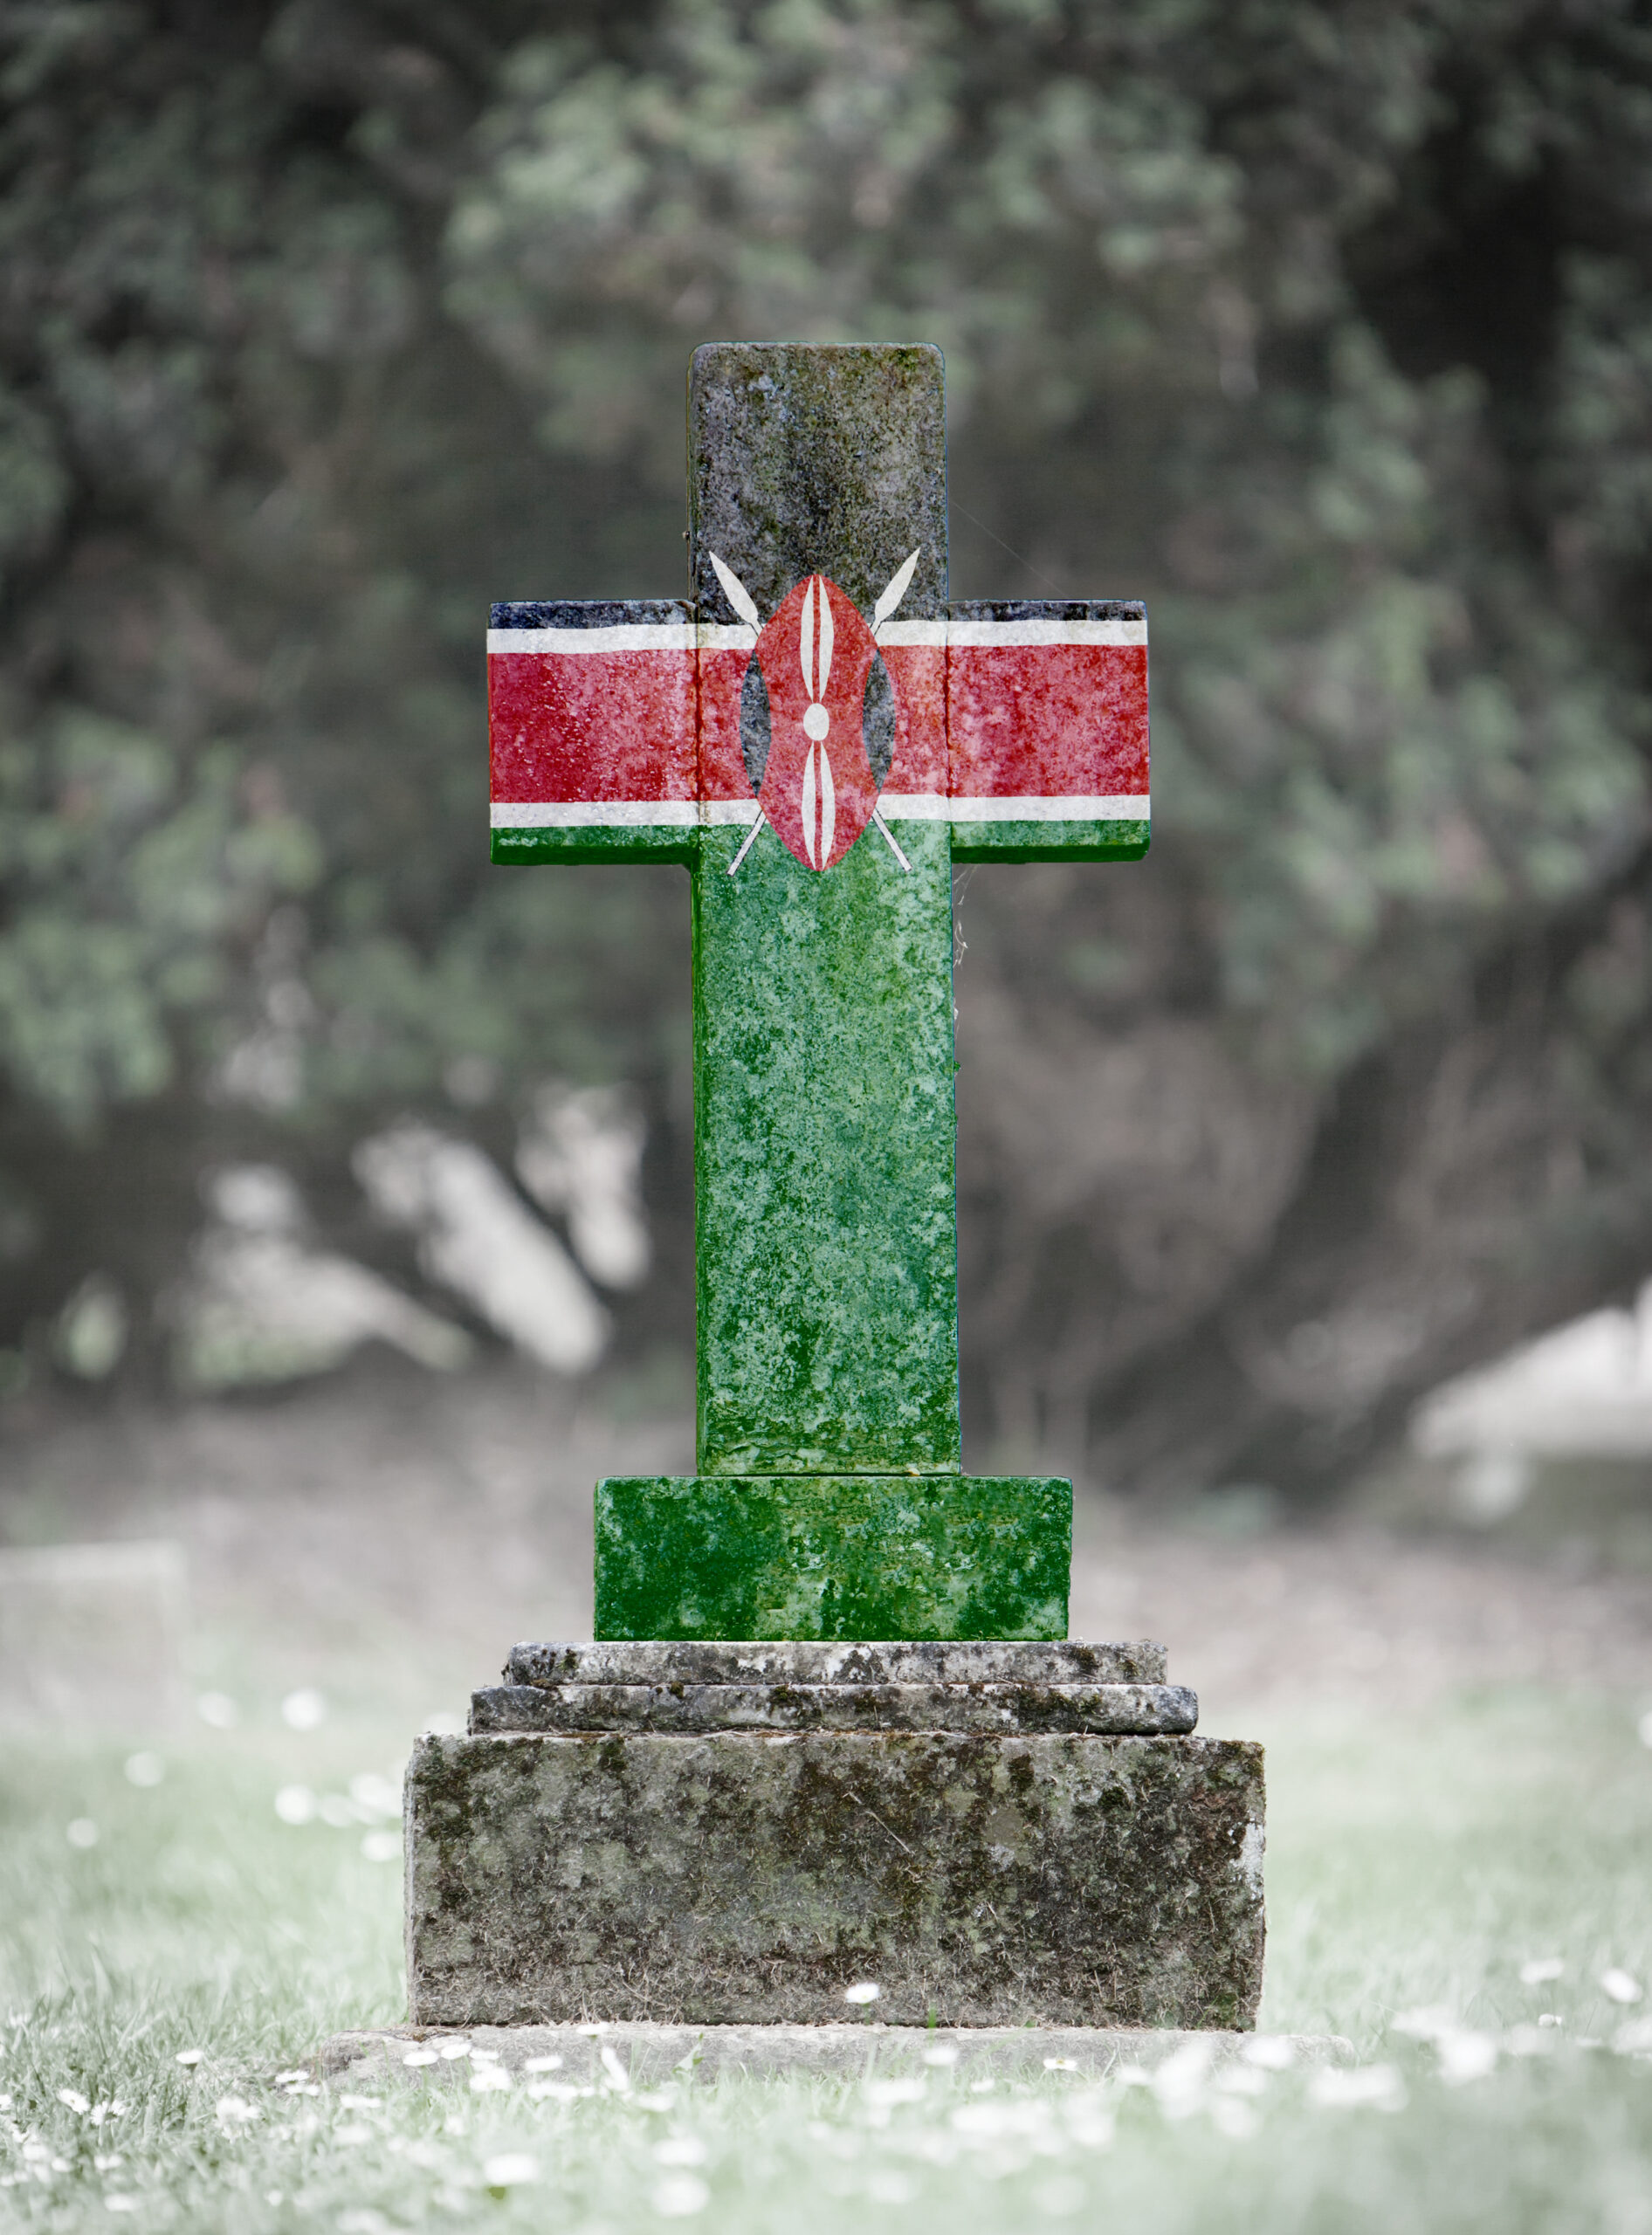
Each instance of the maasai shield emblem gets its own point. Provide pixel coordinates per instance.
(816, 783)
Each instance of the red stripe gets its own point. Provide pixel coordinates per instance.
(591, 725)
(722, 770)
(1041, 719)
(919, 673)
(1035, 720)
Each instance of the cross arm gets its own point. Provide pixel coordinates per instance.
(592, 714)
(1046, 716)
(615, 730)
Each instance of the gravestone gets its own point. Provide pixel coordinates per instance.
(829, 1730)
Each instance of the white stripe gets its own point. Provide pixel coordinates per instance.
(1074, 807)
(912, 632)
(915, 807)
(1127, 806)
(897, 807)
(580, 814)
(645, 636)
(593, 815)
(1003, 636)
(722, 636)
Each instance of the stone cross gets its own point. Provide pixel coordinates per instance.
(817, 736)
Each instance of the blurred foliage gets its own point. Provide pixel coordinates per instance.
(1327, 327)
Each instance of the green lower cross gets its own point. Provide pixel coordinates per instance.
(818, 737)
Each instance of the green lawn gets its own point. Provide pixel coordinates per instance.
(1412, 1864)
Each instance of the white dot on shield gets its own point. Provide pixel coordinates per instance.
(816, 722)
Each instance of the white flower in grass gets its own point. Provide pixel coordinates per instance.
(451, 2051)
(106, 2161)
(304, 1709)
(422, 2056)
(116, 2201)
(543, 2064)
(363, 2220)
(1465, 2055)
(618, 2077)
(680, 2150)
(864, 1991)
(940, 2057)
(234, 2111)
(295, 1803)
(353, 2136)
(375, 1795)
(1371, 2087)
(511, 2168)
(188, 2056)
(1621, 1986)
(82, 1833)
(1179, 2083)
(490, 2079)
(680, 2196)
(885, 2091)
(145, 1769)
(1541, 1970)
(76, 2101)
(1270, 2052)
(382, 1847)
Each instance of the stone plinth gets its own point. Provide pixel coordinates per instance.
(995, 1835)
(833, 1556)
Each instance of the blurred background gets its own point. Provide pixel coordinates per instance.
(344, 1174)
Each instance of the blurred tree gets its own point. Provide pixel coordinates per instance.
(1327, 327)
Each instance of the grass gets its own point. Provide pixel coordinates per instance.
(1412, 1864)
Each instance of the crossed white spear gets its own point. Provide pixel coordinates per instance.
(815, 675)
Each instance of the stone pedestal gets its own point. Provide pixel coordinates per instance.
(991, 1834)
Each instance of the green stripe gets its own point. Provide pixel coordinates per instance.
(1049, 842)
(599, 842)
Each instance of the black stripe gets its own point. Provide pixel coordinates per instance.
(1021, 608)
(608, 613)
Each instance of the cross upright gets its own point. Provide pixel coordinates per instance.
(818, 736)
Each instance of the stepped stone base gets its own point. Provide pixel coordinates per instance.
(991, 1869)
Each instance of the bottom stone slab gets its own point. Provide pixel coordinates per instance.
(564, 2060)
(976, 1880)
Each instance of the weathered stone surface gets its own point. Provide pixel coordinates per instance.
(805, 459)
(1124, 1708)
(923, 1660)
(833, 1556)
(571, 2056)
(751, 1879)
